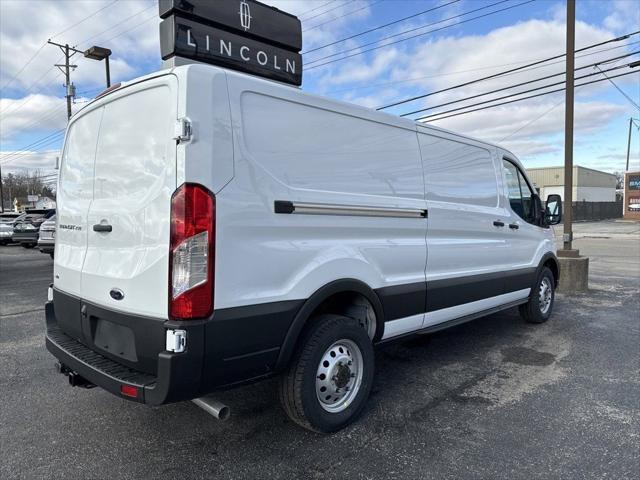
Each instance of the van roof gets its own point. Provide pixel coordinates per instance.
(383, 117)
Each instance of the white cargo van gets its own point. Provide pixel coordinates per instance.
(215, 228)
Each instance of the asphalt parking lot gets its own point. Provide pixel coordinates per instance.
(495, 398)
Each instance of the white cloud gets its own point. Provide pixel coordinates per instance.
(44, 161)
(33, 112)
(25, 26)
(625, 16)
(498, 123)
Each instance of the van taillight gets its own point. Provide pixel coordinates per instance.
(192, 253)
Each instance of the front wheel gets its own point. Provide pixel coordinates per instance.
(330, 377)
(538, 308)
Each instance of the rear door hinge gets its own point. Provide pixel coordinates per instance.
(183, 132)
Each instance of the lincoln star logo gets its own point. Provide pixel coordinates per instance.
(245, 15)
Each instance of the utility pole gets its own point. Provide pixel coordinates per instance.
(629, 143)
(66, 70)
(567, 238)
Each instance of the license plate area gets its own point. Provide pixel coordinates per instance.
(118, 340)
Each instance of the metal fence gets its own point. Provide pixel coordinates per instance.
(596, 210)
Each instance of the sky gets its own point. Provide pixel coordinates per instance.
(450, 42)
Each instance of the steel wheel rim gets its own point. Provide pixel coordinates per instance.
(545, 295)
(339, 376)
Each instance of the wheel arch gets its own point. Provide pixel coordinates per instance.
(317, 300)
(551, 261)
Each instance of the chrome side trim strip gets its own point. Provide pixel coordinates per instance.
(304, 208)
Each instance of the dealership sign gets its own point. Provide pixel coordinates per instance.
(243, 35)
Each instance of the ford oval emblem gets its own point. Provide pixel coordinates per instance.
(116, 294)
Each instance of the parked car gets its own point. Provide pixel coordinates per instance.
(7, 220)
(47, 238)
(27, 229)
(286, 234)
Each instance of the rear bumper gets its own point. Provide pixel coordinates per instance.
(177, 377)
(46, 246)
(111, 349)
(25, 237)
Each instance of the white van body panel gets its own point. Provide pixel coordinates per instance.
(133, 176)
(289, 145)
(74, 196)
(315, 207)
(255, 142)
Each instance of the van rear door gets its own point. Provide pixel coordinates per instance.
(75, 192)
(126, 262)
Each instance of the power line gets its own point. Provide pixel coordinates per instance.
(129, 29)
(316, 8)
(532, 121)
(326, 11)
(510, 95)
(47, 72)
(382, 26)
(489, 67)
(369, 5)
(618, 88)
(520, 85)
(495, 75)
(426, 118)
(124, 20)
(37, 144)
(23, 67)
(417, 35)
(43, 45)
(26, 100)
(84, 19)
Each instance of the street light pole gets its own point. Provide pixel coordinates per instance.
(106, 64)
(568, 126)
(100, 53)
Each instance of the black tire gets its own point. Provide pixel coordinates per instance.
(28, 245)
(51, 254)
(298, 384)
(534, 310)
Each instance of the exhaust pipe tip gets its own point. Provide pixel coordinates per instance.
(217, 409)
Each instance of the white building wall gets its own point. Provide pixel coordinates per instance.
(581, 194)
(594, 194)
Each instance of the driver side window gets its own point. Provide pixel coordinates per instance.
(520, 195)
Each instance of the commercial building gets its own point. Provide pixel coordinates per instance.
(588, 185)
(631, 196)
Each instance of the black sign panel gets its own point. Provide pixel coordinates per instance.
(634, 182)
(190, 39)
(244, 17)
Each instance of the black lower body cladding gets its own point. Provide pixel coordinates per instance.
(233, 346)
(109, 348)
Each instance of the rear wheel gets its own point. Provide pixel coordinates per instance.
(28, 245)
(330, 377)
(538, 308)
(51, 254)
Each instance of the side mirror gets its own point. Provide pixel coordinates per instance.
(553, 210)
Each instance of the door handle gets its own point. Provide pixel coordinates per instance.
(514, 226)
(498, 223)
(102, 227)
